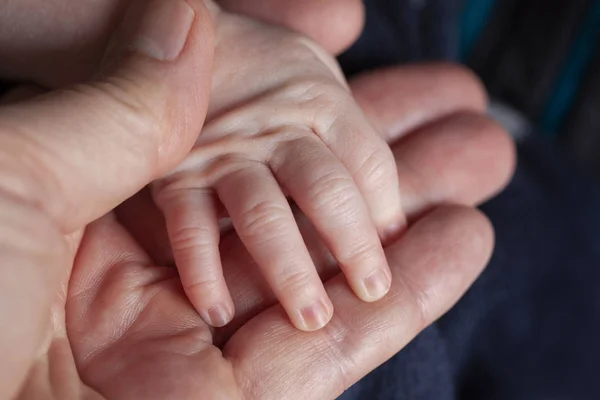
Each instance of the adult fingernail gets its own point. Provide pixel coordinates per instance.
(316, 315)
(219, 316)
(164, 29)
(377, 285)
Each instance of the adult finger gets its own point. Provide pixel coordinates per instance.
(77, 153)
(465, 158)
(433, 265)
(445, 149)
(399, 99)
(68, 157)
(334, 24)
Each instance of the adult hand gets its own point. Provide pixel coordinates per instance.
(129, 332)
(70, 156)
(58, 42)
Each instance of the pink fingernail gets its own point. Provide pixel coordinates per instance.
(219, 316)
(316, 315)
(164, 29)
(377, 285)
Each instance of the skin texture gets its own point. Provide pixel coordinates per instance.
(341, 174)
(132, 334)
(281, 122)
(65, 40)
(93, 314)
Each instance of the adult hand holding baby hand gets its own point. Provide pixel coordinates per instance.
(119, 326)
(282, 125)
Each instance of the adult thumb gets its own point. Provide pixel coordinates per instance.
(70, 156)
(76, 153)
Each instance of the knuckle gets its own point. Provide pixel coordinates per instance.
(290, 282)
(333, 191)
(197, 238)
(262, 221)
(323, 91)
(321, 99)
(361, 253)
(378, 169)
(202, 284)
(331, 104)
(284, 160)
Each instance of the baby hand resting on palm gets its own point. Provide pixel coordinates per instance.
(282, 126)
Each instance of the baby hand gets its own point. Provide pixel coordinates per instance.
(282, 124)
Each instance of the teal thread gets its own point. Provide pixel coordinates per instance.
(572, 74)
(474, 20)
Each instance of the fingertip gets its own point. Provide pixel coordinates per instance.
(212, 301)
(482, 236)
(461, 77)
(218, 315)
(193, 230)
(464, 158)
(504, 155)
(315, 316)
(334, 24)
(374, 287)
(458, 242)
(491, 159)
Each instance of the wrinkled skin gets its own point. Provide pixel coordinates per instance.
(121, 326)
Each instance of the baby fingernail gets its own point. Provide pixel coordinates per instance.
(219, 316)
(316, 315)
(164, 29)
(377, 285)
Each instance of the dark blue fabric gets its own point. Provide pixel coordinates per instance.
(400, 31)
(530, 326)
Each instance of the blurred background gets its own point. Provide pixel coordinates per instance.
(539, 59)
(530, 326)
